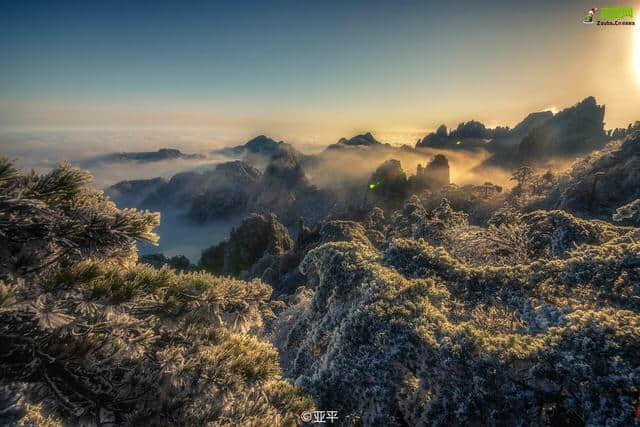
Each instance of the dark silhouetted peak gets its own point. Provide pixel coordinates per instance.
(621, 133)
(365, 139)
(471, 129)
(437, 139)
(224, 191)
(143, 156)
(161, 154)
(438, 161)
(573, 131)
(589, 101)
(531, 121)
(468, 135)
(389, 181)
(285, 170)
(169, 152)
(434, 176)
(260, 150)
(262, 144)
(390, 171)
(543, 136)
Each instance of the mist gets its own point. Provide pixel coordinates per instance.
(181, 236)
(338, 167)
(335, 170)
(43, 150)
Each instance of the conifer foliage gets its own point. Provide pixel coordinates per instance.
(88, 336)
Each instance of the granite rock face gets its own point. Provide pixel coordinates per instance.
(574, 131)
(433, 176)
(225, 190)
(243, 253)
(366, 139)
(389, 182)
(260, 146)
(541, 137)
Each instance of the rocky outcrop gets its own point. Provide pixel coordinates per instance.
(437, 139)
(531, 122)
(259, 151)
(541, 137)
(250, 249)
(574, 131)
(130, 194)
(469, 135)
(225, 190)
(434, 176)
(621, 133)
(260, 145)
(389, 182)
(286, 191)
(471, 129)
(284, 171)
(366, 140)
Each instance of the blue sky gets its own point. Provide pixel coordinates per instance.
(291, 67)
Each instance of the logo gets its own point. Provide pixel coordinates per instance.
(588, 18)
(609, 16)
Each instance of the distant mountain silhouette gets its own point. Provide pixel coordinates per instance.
(144, 156)
(225, 190)
(363, 140)
(469, 135)
(231, 189)
(538, 138)
(474, 134)
(572, 132)
(531, 121)
(259, 150)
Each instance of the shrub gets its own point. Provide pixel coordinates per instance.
(90, 337)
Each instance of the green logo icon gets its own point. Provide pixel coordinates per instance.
(610, 16)
(588, 18)
(616, 13)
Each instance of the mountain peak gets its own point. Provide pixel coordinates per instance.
(362, 139)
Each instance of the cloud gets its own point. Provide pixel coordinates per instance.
(42, 151)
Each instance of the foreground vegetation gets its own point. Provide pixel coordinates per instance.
(91, 337)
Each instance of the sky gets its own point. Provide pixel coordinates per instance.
(308, 70)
